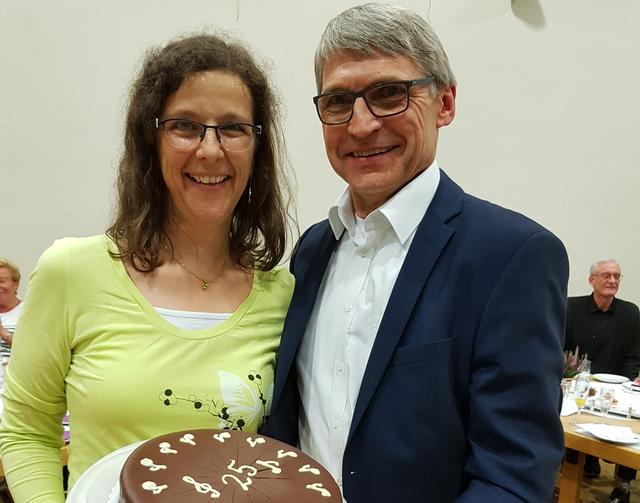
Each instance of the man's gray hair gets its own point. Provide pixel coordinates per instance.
(378, 28)
(594, 267)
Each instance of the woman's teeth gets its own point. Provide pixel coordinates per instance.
(208, 180)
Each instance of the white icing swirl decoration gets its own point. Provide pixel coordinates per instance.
(274, 466)
(221, 436)
(283, 454)
(202, 488)
(318, 487)
(151, 465)
(187, 438)
(151, 486)
(165, 448)
(253, 442)
(310, 469)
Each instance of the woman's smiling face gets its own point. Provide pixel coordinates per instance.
(205, 184)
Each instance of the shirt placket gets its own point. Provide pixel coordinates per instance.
(342, 403)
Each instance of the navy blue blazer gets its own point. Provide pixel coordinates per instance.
(459, 400)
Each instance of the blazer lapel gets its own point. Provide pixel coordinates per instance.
(309, 276)
(430, 239)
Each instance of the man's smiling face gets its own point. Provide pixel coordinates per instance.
(378, 156)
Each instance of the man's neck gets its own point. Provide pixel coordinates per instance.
(603, 303)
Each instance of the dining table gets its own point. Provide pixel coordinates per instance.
(624, 413)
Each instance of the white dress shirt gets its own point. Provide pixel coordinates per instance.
(355, 290)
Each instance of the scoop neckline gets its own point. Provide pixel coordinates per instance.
(155, 317)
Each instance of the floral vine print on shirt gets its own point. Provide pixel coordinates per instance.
(240, 405)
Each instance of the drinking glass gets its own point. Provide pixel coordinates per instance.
(580, 398)
(581, 392)
(606, 400)
(591, 398)
(565, 386)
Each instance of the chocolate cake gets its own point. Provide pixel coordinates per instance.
(226, 466)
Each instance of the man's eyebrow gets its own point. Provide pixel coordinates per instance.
(339, 89)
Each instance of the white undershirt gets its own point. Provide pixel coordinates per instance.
(350, 304)
(192, 320)
(8, 321)
(10, 318)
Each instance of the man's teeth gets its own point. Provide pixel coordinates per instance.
(208, 180)
(367, 153)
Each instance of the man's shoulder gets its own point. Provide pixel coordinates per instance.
(483, 217)
(309, 243)
(488, 214)
(315, 234)
(577, 301)
(579, 298)
(627, 305)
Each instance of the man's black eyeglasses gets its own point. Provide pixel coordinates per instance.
(382, 100)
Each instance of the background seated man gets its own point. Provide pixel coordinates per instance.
(607, 329)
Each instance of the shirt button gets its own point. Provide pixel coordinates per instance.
(339, 367)
(348, 308)
(335, 424)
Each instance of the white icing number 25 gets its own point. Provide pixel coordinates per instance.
(243, 468)
(244, 485)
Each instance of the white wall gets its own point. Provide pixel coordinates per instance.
(548, 118)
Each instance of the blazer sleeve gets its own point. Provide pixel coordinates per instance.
(515, 435)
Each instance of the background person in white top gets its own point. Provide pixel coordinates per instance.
(422, 352)
(10, 304)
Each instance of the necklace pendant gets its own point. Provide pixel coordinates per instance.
(205, 285)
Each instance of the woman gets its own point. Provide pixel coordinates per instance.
(10, 304)
(171, 320)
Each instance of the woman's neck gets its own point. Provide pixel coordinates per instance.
(9, 305)
(203, 247)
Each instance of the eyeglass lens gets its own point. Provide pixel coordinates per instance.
(609, 275)
(185, 135)
(382, 101)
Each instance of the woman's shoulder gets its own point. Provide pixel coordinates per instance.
(278, 279)
(78, 245)
(75, 252)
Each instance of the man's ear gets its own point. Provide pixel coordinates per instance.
(447, 97)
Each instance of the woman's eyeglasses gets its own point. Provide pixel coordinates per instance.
(185, 135)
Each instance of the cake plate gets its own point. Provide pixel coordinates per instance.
(95, 485)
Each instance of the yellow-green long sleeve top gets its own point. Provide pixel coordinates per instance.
(90, 343)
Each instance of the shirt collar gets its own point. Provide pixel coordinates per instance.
(400, 210)
(594, 307)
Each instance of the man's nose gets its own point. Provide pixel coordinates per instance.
(363, 122)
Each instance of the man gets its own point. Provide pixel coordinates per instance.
(422, 353)
(10, 304)
(607, 329)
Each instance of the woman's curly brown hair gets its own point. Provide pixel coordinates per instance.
(259, 227)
